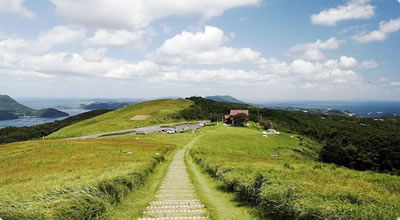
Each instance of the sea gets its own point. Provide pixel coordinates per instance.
(360, 108)
(68, 105)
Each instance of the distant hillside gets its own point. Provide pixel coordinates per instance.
(224, 98)
(7, 116)
(11, 109)
(105, 105)
(149, 113)
(9, 105)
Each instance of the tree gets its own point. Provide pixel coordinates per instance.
(240, 119)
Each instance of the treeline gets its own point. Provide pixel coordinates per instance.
(357, 143)
(14, 134)
(209, 109)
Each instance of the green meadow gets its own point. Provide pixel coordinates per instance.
(158, 112)
(280, 176)
(77, 179)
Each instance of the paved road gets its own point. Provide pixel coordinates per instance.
(144, 130)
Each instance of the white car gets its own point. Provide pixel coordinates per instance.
(171, 131)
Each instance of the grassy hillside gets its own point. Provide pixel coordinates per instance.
(83, 179)
(159, 112)
(280, 176)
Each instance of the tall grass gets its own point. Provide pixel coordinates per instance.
(83, 179)
(280, 176)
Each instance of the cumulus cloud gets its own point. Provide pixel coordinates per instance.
(116, 38)
(189, 58)
(313, 51)
(122, 14)
(16, 7)
(59, 35)
(346, 61)
(13, 43)
(379, 35)
(94, 54)
(201, 48)
(354, 9)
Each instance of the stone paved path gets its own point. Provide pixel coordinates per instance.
(176, 198)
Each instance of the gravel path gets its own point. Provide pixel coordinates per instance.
(176, 198)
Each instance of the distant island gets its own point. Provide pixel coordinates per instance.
(224, 98)
(11, 109)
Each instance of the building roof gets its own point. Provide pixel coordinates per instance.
(235, 112)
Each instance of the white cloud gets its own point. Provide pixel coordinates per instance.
(313, 51)
(189, 58)
(122, 14)
(94, 54)
(303, 67)
(201, 48)
(136, 70)
(13, 43)
(116, 38)
(354, 9)
(381, 34)
(17, 7)
(347, 62)
(59, 35)
(368, 64)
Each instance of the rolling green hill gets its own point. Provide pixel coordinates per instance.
(147, 113)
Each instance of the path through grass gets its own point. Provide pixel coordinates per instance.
(221, 205)
(280, 176)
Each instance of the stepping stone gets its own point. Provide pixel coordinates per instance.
(176, 198)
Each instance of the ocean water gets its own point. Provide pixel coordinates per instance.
(363, 109)
(68, 105)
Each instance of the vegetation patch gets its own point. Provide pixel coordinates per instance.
(75, 179)
(140, 117)
(283, 183)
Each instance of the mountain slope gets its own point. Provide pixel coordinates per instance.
(224, 98)
(149, 113)
(9, 105)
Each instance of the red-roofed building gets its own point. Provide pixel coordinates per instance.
(229, 118)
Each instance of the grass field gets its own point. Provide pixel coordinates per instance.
(280, 176)
(158, 112)
(77, 179)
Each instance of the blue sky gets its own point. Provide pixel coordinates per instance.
(256, 50)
